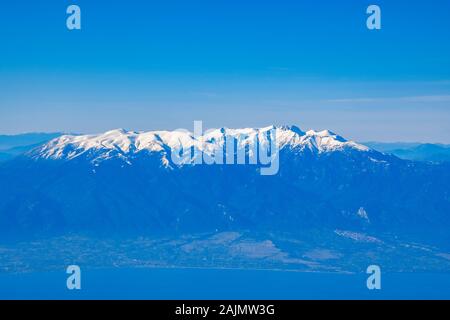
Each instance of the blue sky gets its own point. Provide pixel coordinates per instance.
(147, 65)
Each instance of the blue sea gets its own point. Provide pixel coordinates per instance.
(221, 284)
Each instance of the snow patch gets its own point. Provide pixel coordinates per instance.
(358, 237)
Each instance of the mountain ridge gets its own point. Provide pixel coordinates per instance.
(124, 142)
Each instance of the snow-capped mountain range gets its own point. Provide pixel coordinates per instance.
(125, 145)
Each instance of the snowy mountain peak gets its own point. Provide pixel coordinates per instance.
(293, 128)
(118, 131)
